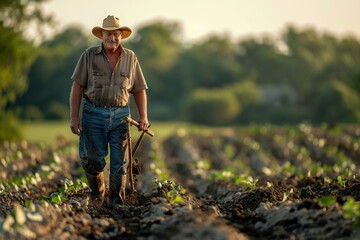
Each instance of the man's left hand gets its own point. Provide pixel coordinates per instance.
(144, 125)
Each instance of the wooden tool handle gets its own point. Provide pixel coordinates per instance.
(135, 123)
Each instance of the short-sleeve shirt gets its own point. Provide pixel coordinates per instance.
(104, 86)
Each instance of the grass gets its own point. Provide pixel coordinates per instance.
(48, 131)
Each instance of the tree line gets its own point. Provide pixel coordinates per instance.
(301, 74)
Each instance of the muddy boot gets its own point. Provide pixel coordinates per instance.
(97, 186)
(117, 190)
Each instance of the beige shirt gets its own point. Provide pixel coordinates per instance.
(105, 87)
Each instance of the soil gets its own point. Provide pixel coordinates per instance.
(255, 183)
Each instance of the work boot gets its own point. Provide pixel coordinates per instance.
(117, 190)
(97, 186)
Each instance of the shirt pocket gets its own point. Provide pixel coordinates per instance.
(98, 77)
(124, 80)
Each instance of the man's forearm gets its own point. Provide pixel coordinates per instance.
(141, 103)
(75, 100)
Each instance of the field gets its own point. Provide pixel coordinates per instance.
(258, 182)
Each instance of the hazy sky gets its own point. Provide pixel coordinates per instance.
(198, 18)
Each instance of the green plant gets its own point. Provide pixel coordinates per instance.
(229, 151)
(352, 211)
(175, 198)
(60, 197)
(326, 201)
(287, 194)
(246, 181)
(213, 107)
(218, 175)
(351, 208)
(57, 198)
(173, 191)
(341, 182)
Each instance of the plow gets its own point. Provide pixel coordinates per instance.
(134, 168)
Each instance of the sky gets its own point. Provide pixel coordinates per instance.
(199, 18)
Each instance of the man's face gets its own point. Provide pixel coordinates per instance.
(111, 39)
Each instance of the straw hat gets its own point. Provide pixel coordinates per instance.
(111, 23)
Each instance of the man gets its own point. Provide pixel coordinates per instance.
(104, 78)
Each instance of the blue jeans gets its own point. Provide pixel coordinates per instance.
(101, 128)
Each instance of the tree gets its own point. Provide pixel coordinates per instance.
(19, 14)
(158, 46)
(49, 76)
(208, 64)
(16, 55)
(262, 59)
(310, 52)
(212, 106)
(211, 63)
(350, 98)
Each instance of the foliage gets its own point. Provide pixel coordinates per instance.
(287, 194)
(214, 107)
(19, 14)
(16, 56)
(246, 92)
(341, 181)
(215, 63)
(157, 46)
(282, 79)
(9, 127)
(16, 53)
(227, 175)
(327, 201)
(351, 208)
(352, 211)
(69, 186)
(350, 98)
(173, 191)
(49, 76)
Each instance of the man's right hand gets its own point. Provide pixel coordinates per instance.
(75, 101)
(75, 126)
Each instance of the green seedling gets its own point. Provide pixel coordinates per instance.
(158, 183)
(175, 192)
(328, 180)
(351, 208)
(341, 182)
(326, 201)
(287, 194)
(229, 151)
(60, 197)
(174, 197)
(352, 211)
(246, 181)
(71, 186)
(57, 198)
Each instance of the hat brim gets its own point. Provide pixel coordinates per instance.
(126, 31)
